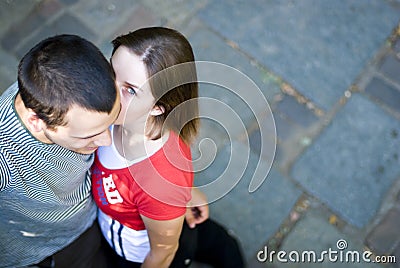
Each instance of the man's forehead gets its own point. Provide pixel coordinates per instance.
(82, 122)
(78, 117)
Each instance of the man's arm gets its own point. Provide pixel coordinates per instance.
(4, 172)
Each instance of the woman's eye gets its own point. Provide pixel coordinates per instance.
(131, 90)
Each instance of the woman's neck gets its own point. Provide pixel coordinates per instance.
(133, 144)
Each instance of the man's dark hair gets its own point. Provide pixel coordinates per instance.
(62, 71)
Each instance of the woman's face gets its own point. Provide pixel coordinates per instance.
(136, 98)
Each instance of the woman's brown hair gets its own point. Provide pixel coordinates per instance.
(169, 60)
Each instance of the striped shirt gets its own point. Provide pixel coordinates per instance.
(45, 198)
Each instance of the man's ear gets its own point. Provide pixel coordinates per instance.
(34, 122)
(157, 110)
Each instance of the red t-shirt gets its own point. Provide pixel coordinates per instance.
(157, 187)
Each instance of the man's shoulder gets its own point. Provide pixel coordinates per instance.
(4, 172)
(11, 90)
(7, 111)
(7, 97)
(7, 121)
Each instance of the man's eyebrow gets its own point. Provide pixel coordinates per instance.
(94, 135)
(88, 137)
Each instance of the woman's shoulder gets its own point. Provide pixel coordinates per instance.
(175, 144)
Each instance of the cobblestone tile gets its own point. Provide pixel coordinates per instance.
(396, 46)
(208, 46)
(313, 233)
(28, 43)
(284, 127)
(246, 106)
(5, 82)
(16, 34)
(175, 13)
(263, 143)
(141, 17)
(256, 140)
(390, 67)
(212, 136)
(385, 237)
(289, 140)
(347, 173)
(254, 263)
(280, 156)
(68, 23)
(47, 8)
(226, 108)
(12, 12)
(384, 92)
(298, 40)
(8, 70)
(396, 253)
(296, 112)
(262, 211)
(65, 24)
(106, 17)
(69, 2)
(34, 20)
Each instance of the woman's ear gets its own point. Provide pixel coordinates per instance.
(34, 122)
(157, 110)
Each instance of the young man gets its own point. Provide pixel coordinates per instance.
(51, 122)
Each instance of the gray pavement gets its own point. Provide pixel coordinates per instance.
(330, 71)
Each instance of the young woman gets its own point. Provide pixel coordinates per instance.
(143, 181)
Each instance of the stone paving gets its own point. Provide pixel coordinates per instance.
(330, 72)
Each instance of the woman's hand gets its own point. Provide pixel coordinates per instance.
(197, 210)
